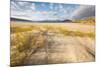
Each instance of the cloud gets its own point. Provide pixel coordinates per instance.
(51, 11)
(22, 9)
(84, 11)
(22, 6)
(26, 10)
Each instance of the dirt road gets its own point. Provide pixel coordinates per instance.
(65, 50)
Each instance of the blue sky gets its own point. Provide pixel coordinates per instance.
(40, 11)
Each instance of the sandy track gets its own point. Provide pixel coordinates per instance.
(64, 50)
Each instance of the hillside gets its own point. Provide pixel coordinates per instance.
(89, 20)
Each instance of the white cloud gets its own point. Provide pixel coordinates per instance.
(26, 11)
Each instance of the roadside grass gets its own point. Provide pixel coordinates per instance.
(67, 32)
(50, 28)
(19, 29)
(24, 45)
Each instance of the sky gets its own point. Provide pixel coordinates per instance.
(41, 11)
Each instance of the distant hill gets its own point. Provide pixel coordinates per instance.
(18, 19)
(25, 20)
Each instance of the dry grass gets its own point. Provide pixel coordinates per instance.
(26, 38)
(56, 28)
(90, 21)
(23, 45)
